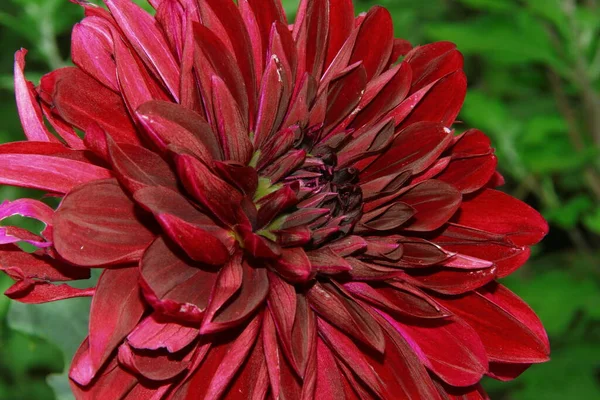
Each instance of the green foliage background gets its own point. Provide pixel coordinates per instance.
(534, 87)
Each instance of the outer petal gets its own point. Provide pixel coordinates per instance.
(96, 224)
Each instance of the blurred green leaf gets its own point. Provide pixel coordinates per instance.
(592, 220)
(569, 214)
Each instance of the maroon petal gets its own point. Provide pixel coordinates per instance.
(434, 203)
(398, 299)
(235, 297)
(469, 174)
(341, 22)
(432, 62)
(293, 265)
(451, 280)
(171, 124)
(27, 104)
(81, 101)
(97, 224)
(310, 33)
(137, 167)
(461, 361)
(155, 366)
(497, 212)
(212, 192)
(186, 226)
(346, 315)
(326, 261)
(145, 37)
(172, 285)
(509, 330)
(159, 332)
(30, 290)
(281, 299)
(116, 309)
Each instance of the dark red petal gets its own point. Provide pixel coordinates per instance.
(432, 62)
(97, 224)
(171, 124)
(113, 382)
(39, 266)
(434, 202)
(345, 314)
(326, 261)
(451, 280)
(414, 149)
(211, 191)
(508, 328)
(442, 102)
(116, 309)
(193, 231)
(173, 286)
(217, 371)
(389, 217)
(142, 32)
(160, 332)
(469, 174)
(330, 382)
(449, 348)
(156, 366)
(341, 22)
(497, 212)
(293, 265)
(348, 352)
(310, 32)
(27, 104)
(375, 40)
(344, 94)
(81, 101)
(30, 290)
(267, 12)
(398, 299)
(239, 303)
(273, 204)
(137, 167)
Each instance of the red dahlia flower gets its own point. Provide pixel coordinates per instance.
(281, 211)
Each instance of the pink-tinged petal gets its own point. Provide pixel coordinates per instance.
(92, 50)
(414, 149)
(304, 333)
(434, 202)
(293, 265)
(27, 104)
(156, 366)
(116, 309)
(398, 299)
(137, 167)
(231, 126)
(136, 85)
(508, 328)
(345, 314)
(80, 100)
(174, 286)
(145, 37)
(31, 290)
(451, 280)
(348, 245)
(341, 22)
(217, 371)
(170, 15)
(497, 212)
(375, 40)
(255, 35)
(281, 299)
(442, 102)
(64, 130)
(432, 62)
(171, 124)
(450, 349)
(218, 61)
(228, 15)
(55, 174)
(254, 287)
(97, 224)
(39, 266)
(284, 165)
(211, 191)
(113, 382)
(348, 352)
(186, 226)
(160, 332)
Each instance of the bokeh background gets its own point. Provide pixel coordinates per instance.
(534, 88)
